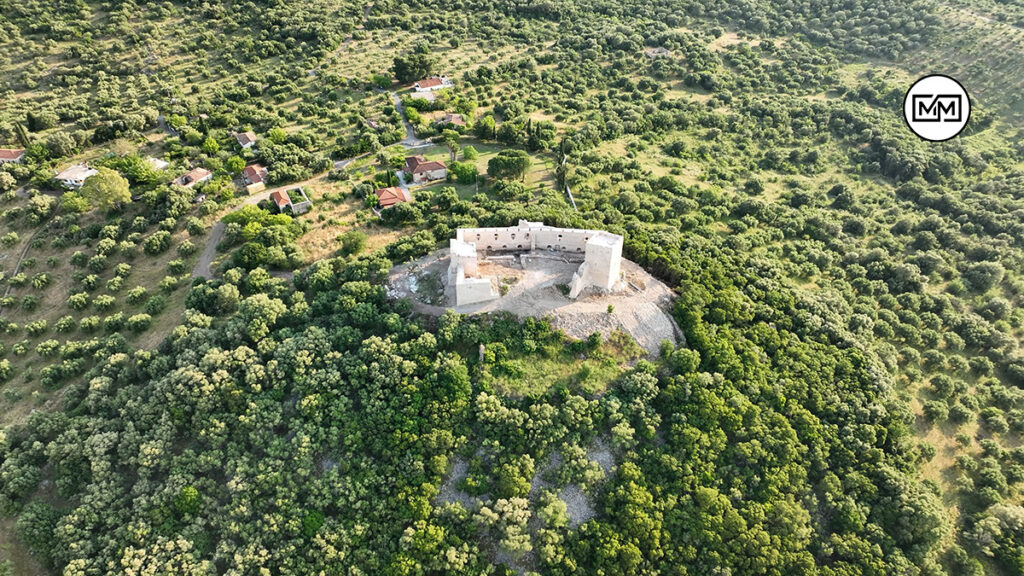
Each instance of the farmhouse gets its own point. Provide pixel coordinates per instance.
(13, 155)
(388, 197)
(282, 199)
(254, 174)
(432, 83)
(421, 170)
(601, 267)
(246, 139)
(193, 177)
(74, 176)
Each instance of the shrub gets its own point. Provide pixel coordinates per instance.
(104, 302)
(30, 302)
(186, 248)
(65, 324)
(35, 328)
(156, 304)
(353, 241)
(97, 263)
(136, 295)
(139, 322)
(158, 243)
(114, 322)
(89, 323)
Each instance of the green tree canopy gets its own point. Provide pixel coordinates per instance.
(106, 189)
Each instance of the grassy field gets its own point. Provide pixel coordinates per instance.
(588, 373)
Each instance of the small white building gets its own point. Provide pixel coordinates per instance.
(432, 83)
(157, 164)
(246, 139)
(74, 176)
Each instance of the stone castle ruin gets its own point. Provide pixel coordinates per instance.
(601, 252)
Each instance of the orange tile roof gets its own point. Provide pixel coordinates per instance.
(430, 82)
(417, 164)
(392, 195)
(280, 198)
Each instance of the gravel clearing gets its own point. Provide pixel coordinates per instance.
(639, 306)
(449, 492)
(577, 505)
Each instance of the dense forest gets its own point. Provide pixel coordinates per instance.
(848, 397)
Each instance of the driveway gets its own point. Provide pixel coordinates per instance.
(410, 141)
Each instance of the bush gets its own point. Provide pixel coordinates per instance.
(114, 322)
(136, 295)
(139, 322)
(30, 302)
(104, 302)
(158, 243)
(352, 242)
(186, 248)
(89, 323)
(156, 304)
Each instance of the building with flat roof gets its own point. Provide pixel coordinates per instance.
(74, 177)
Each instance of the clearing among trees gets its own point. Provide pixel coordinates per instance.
(535, 283)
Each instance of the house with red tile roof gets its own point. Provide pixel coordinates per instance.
(254, 174)
(421, 170)
(193, 177)
(13, 155)
(282, 199)
(432, 83)
(388, 197)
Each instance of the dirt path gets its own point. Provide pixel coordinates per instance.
(203, 266)
(209, 252)
(28, 244)
(410, 141)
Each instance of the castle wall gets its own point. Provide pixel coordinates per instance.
(473, 290)
(603, 261)
(602, 255)
(462, 254)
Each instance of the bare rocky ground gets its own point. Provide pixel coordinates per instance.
(534, 282)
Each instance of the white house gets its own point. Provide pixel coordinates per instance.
(74, 176)
(246, 139)
(432, 83)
